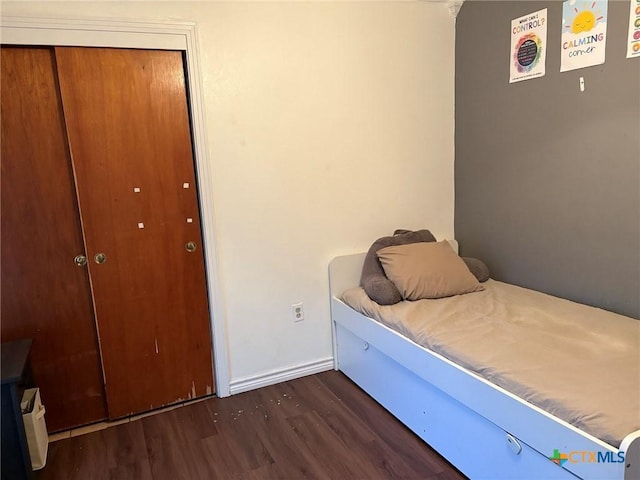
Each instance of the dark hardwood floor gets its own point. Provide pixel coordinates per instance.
(321, 426)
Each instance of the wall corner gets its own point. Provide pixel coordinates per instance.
(454, 7)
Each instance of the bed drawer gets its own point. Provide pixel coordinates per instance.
(476, 446)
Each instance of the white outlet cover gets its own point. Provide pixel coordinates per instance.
(297, 311)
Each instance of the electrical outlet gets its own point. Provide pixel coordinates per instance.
(297, 311)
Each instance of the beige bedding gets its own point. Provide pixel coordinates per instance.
(579, 363)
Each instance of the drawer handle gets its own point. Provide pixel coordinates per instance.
(514, 444)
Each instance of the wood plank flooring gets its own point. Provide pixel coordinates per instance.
(320, 427)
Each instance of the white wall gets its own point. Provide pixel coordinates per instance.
(330, 125)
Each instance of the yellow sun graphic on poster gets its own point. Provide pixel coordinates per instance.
(584, 21)
(585, 17)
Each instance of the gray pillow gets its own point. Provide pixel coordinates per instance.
(375, 283)
(478, 268)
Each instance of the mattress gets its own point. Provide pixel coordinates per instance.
(579, 363)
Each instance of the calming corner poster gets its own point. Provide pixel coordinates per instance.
(584, 34)
(528, 46)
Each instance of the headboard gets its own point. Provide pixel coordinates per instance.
(344, 272)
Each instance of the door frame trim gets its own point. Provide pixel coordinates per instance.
(159, 36)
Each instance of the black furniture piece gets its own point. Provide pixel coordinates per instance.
(16, 376)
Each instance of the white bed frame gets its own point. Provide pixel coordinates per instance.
(482, 429)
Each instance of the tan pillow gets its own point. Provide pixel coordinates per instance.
(427, 270)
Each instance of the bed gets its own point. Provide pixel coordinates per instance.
(482, 428)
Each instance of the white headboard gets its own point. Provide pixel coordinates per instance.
(344, 272)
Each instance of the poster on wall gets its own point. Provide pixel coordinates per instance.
(633, 45)
(528, 46)
(584, 33)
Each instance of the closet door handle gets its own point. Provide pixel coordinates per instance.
(191, 247)
(80, 260)
(100, 258)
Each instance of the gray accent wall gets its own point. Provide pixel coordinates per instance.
(547, 178)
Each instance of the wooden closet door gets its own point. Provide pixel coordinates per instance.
(129, 135)
(45, 296)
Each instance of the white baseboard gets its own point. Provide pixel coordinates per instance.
(281, 375)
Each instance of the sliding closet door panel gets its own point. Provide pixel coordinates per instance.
(129, 135)
(45, 296)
